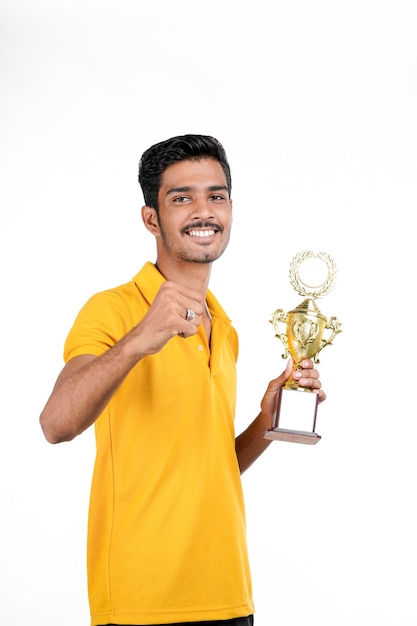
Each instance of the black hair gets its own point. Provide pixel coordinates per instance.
(157, 158)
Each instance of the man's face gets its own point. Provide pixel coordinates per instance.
(195, 213)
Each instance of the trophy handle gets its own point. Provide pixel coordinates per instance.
(279, 316)
(333, 324)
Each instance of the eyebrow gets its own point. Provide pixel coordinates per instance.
(189, 188)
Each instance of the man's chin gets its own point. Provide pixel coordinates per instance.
(207, 257)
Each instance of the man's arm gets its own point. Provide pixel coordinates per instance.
(82, 391)
(87, 383)
(251, 443)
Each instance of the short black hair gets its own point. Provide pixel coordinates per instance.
(158, 157)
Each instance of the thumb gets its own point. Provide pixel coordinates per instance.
(269, 400)
(279, 382)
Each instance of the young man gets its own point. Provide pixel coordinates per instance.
(152, 364)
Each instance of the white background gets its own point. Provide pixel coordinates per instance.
(316, 105)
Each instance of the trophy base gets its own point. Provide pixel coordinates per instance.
(293, 436)
(295, 419)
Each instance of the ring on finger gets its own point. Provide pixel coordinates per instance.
(190, 315)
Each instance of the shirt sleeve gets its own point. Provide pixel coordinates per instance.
(102, 321)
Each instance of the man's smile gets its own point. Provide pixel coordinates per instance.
(201, 233)
(202, 230)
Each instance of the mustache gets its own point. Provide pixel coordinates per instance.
(196, 225)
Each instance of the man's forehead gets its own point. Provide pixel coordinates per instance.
(189, 173)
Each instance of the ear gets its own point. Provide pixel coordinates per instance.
(150, 219)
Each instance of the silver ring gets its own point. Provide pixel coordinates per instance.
(190, 315)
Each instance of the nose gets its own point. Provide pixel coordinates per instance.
(202, 209)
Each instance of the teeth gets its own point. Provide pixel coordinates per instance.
(201, 233)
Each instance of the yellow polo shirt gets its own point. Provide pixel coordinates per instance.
(166, 536)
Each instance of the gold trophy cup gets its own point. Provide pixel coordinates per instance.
(303, 338)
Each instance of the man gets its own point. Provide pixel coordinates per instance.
(152, 364)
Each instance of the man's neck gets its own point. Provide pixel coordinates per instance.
(194, 275)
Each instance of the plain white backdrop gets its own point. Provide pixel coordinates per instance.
(315, 103)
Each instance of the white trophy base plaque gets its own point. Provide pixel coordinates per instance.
(295, 419)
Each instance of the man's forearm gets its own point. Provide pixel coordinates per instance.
(251, 443)
(83, 390)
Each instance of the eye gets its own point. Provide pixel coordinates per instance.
(180, 199)
(216, 197)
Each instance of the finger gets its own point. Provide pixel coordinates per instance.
(308, 376)
(190, 309)
(193, 316)
(189, 331)
(181, 300)
(277, 383)
(321, 394)
(307, 364)
(301, 374)
(270, 398)
(188, 323)
(310, 382)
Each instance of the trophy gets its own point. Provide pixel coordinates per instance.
(301, 332)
